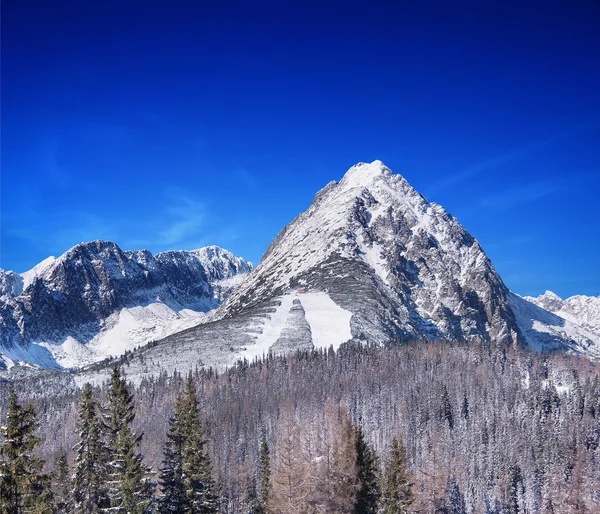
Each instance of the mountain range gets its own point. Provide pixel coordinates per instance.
(370, 261)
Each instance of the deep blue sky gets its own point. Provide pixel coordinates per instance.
(167, 125)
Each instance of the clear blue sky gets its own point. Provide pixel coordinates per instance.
(169, 125)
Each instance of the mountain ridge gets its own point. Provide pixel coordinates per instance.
(63, 304)
(369, 261)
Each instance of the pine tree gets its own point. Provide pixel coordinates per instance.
(128, 486)
(61, 483)
(196, 466)
(264, 473)
(186, 474)
(23, 487)
(174, 499)
(368, 488)
(89, 492)
(396, 493)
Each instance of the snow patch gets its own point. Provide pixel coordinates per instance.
(329, 323)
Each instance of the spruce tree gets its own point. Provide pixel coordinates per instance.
(129, 489)
(61, 483)
(196, 466)
(368, 484)
(174, 499)
(396, 493)
(23, 486)
(186, 474)
(89, 488)
(264, 473)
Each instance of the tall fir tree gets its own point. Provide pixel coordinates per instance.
(23, 486)
(368, 476)
(174, 499)
(396, 492)
(61, 483)
(89, 481)
(129, 488)
(264, 474)
(186, 475)
(197, 469)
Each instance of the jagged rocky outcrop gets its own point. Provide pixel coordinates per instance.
(86, 291)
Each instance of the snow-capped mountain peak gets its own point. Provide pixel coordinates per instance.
(424, 262)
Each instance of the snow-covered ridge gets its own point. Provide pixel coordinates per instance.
(97, 300)
(581, 310)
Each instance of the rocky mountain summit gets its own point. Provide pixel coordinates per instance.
(97, 300)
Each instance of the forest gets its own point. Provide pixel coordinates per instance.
(419, 427)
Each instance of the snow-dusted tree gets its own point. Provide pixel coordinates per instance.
(196, 465)
(61, 483)
(290, 481)
(396, 493)
(129, 489)
(368, 479)
(89, 488)
(264, 473)
(174, 499)
(23, 486)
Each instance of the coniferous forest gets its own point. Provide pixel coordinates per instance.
(427, 428)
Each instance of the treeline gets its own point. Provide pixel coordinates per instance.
(435, 427)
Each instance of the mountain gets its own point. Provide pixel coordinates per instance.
(97, 300)
(582, 310)
(576, 319)
(371, 260)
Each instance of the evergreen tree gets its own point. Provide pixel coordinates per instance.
(264, 473)
(129, 489)
(89, 493)
(61, 483)
(396, 493)
(456, 500)
(196, 466)
(23, 487)
(368, 488)
(186, 474)
(174, 499)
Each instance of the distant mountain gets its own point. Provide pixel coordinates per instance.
(576, 319)
(97, 300)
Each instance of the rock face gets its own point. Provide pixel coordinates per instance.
(75, 298)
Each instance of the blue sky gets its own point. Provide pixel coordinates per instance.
(170, 125)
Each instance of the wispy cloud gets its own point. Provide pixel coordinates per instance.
(179, 223)
(182, 219)
(515, 196)
(492, 162)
